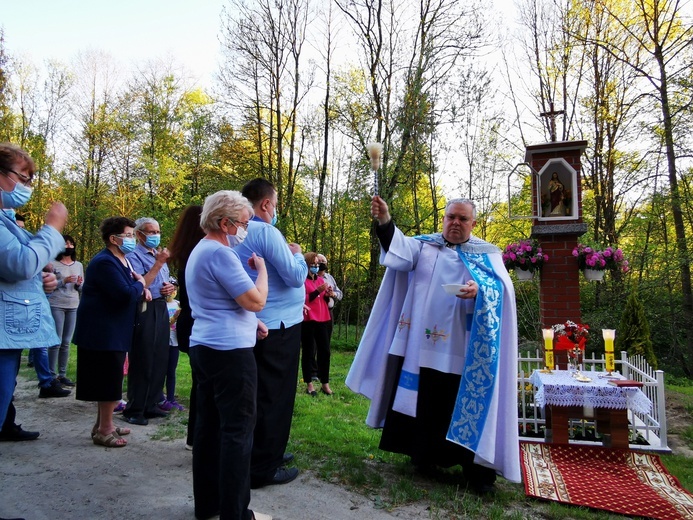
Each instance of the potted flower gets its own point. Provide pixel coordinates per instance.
(571, 338)
(594, 263)
(525, 257)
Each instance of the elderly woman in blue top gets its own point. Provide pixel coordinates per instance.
(105, 325)
(223, 300)
(24, 310)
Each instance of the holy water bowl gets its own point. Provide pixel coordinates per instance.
(455, 288)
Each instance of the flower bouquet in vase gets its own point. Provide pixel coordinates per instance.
(570, 339)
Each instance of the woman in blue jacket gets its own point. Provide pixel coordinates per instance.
(24, 311)
(105, 324)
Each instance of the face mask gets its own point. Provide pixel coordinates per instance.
(241, 234)
(128, 245)
(322, 267)
(16, 198)
(69, 251)
(152, 241)
(314, 270)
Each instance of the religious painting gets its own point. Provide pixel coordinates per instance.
(557, 191)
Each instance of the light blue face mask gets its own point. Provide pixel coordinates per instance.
(16, 198)
(128, 245)
(314, 270)
(152, 241)
(274, 220)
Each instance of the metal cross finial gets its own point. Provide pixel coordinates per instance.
(551, 114)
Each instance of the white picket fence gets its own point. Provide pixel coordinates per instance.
(651, 427)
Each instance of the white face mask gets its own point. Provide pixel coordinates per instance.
(241, 234)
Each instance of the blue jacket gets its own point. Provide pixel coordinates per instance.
(25, 316)
(108, 307)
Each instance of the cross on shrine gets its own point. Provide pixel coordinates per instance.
(551, 114)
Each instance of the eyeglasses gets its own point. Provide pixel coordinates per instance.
(150, 233)
(124, 235)
(23, 179)
(244, 225)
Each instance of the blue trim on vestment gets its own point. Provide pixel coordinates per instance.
(409, 381)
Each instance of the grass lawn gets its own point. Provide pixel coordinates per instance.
(329, 437)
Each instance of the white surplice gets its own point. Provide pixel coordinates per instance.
(414, 318)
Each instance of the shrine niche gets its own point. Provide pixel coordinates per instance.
(557, 191)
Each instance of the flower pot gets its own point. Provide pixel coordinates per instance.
(524, 276)
(593, 275)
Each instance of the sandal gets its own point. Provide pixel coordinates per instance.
(120, 431)
(112, 440)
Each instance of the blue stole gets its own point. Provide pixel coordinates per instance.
(481, 360)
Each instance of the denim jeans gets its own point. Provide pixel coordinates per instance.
(43, 371)
(226, 408)
(58, 356)
(9, 367)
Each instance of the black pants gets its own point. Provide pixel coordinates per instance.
(277, 374)
(315, 350)
(226, 393)
(148, 359)
(423, 437)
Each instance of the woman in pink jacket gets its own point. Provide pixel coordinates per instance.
(315, 331)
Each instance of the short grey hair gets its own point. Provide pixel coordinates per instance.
(462, 200)
(224, 203)
(143, 221)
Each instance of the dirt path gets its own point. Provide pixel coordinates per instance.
(63, 475)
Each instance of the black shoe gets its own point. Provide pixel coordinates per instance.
(137, 420)
(55, 389)
(482, 489)
(281, 476)
(155, 413)
(15, 434)
(288, 457)
(65, 381)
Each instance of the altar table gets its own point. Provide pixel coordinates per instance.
(563, 398)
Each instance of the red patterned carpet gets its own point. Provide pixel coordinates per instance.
(621, 481)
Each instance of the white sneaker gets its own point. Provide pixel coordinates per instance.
(261, 516)
(189, 447)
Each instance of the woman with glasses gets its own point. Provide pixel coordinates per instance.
(315, 331)
(24, 310)
(224, 300)
(105, 324)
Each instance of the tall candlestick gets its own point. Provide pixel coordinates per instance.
(609, 335)
(548, 348)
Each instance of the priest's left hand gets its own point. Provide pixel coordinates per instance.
(469, 291)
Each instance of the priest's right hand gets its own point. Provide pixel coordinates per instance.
(379, 210)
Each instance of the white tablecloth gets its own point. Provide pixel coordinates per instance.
(560, 389)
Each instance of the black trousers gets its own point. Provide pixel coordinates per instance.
(226, 393)
(277, 374)
(315, 350)
(148, 359)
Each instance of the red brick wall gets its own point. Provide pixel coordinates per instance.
(559, 290)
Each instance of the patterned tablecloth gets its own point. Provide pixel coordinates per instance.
(560, 388)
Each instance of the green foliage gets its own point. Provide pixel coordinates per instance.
(634, 331)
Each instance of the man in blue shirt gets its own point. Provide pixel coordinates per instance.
(149, 354)
(277, 355)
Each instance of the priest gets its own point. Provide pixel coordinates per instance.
(441, 369)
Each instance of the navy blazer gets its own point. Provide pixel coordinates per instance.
(108, 306)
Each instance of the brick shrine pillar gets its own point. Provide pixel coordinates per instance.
(559, 289)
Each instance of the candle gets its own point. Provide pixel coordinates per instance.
(548, 348)
(608, 335)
